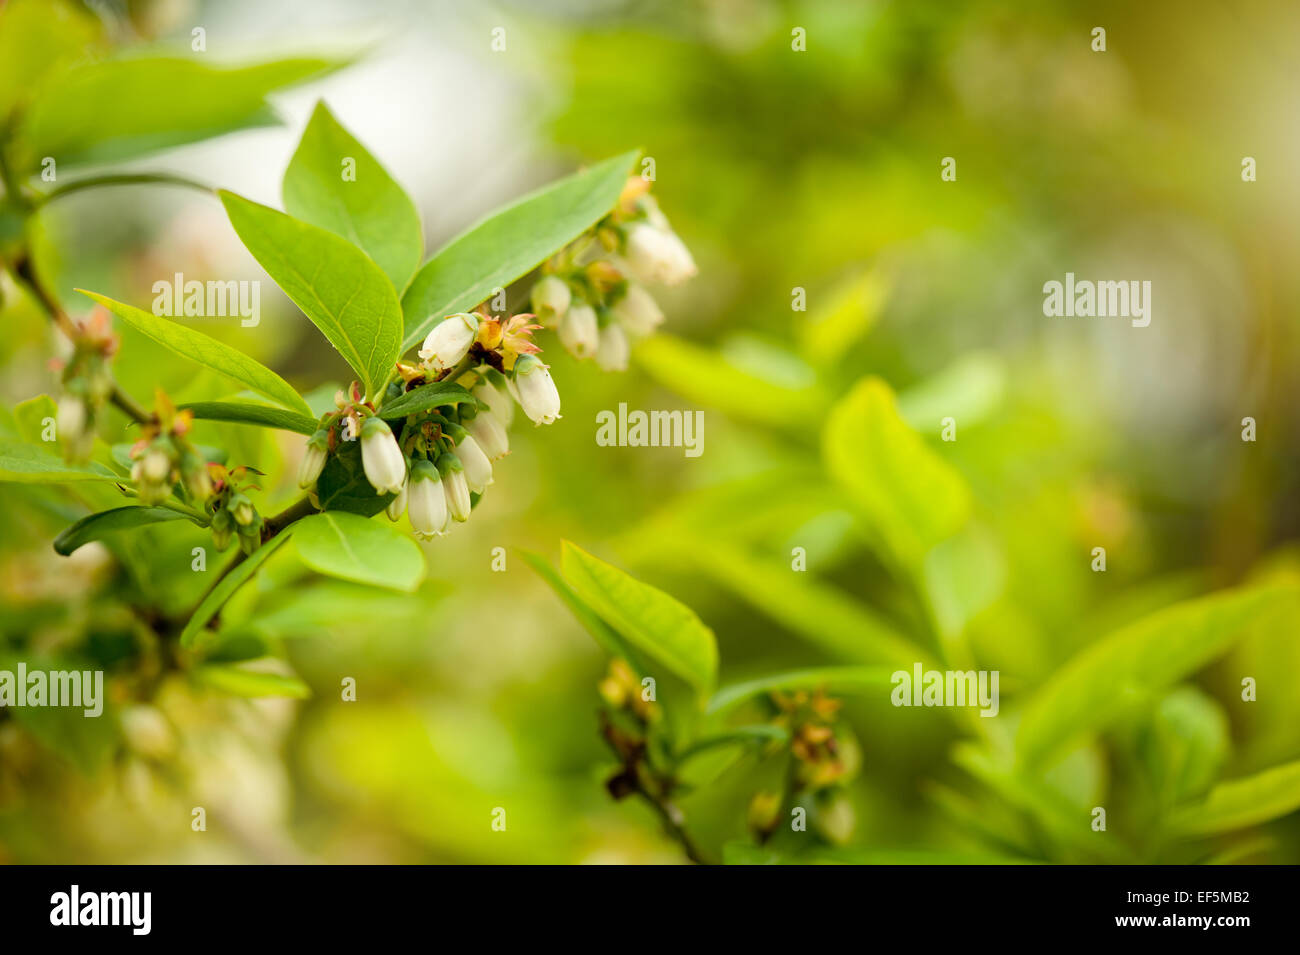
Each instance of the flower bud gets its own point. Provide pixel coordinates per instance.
(241, 508)
(223, 528)
(638, 312)
(536, 391)
(449, 341)
(397, 506)
(658, 255)
(70, 421)
(454, 486)
(382, 459)
(490, 436)
(613, 351)
(550, 298)
(478, 469)
(579, 331)
(498, 401)
(426, 502)
(313, 459)
(194, 471)
(156, 465)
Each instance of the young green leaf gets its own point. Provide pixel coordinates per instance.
(242, 681)
(739, 736)
(1131, 664)
(28, 464)
(250, 412)
(657, 624)
(910, 497)
(204, 350)
(1242, 802)
(510, 243)
(425, 398)
(837, 680)
(605, 636)
(351, 547)
(336, 285)
(343, 485)
(703, 376)
(334, 183)
(95, 526)
(222, 592)
(819, 613)
(110, 110)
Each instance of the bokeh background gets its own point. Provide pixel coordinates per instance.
(817, 170)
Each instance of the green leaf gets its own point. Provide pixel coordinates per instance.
(970, 390)
(657, 624)
(756, 734)
(28, 464)
(1242, 802)
(343, 486)
(336, 285)
(368, 208)
(425, 398)
(703, 376)
(1127, 667)
(116, 109)
(1183, 745)
(910, 497)
(819, 613)
(839, 318)
(605, 636)
(249, 412)
(837, 680)
(217, 597)
(37, 37)
(510, 243)
(97, 526)
(242, 681)
(207, 351)
(354, 548)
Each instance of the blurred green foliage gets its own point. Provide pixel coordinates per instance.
(783, 170)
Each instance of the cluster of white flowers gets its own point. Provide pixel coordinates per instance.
(594, 293)
(444, 454)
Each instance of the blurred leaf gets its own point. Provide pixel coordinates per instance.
(836, 321)
(509, 243)
(757, 734)
(249, 412)
(704, 377)
(38, 37)
(910, 497)
(336, 285)
(1183, 745)
(968, 390)
(425, 398)
(818, 612)
(241, 681)
(962, 576)
(329, 606)
(1242, 802)
(745, 853)
(368, 209)
(95, 526)
(356, 548)
(28, 464)
(116, 109)
(232, 581)
(837, 680)
(665, 629)
(200, 348)
(1143, 658)
(30, 417)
